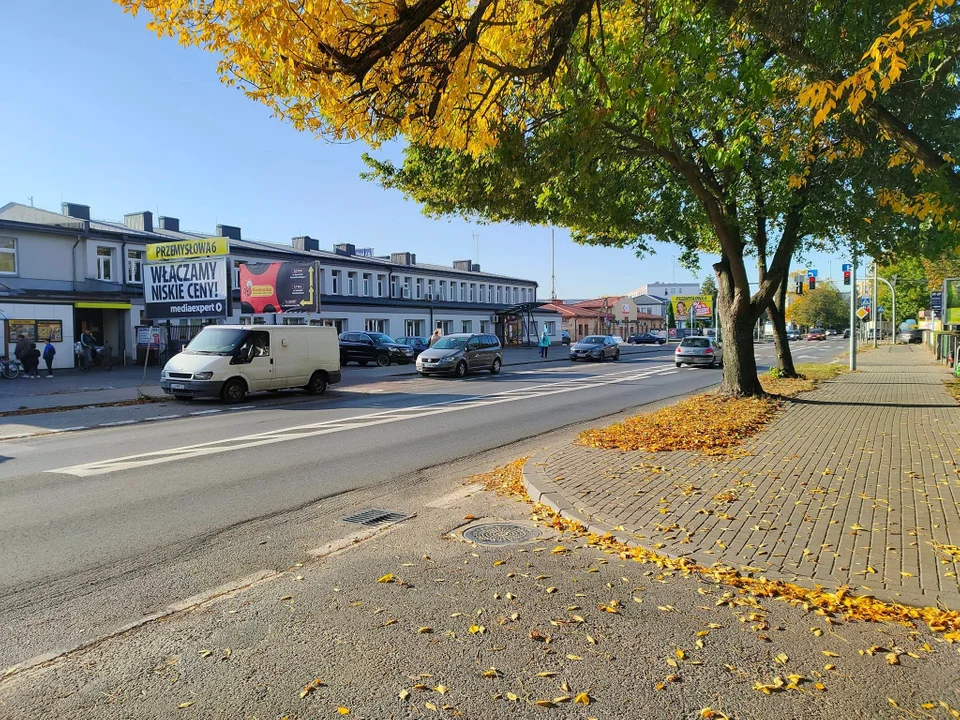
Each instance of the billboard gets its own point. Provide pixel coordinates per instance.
(190, 289)
(187, 249)
(951, 301)
(279, 287)
(701, 304)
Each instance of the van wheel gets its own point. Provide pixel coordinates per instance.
(233, 391)
(496, 366)
(317, 384)
(383, 360)
(461, 370)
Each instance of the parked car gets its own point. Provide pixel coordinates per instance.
(595, 347)
(417, 342)
(645, 339)
(228, 361)
(460, 353)
(616, 338)
(831, 331)
(846, 334)
(365, 347)
(793, 334)
(564, 337)
(883, 334)
(816, 334)
(698, 351)
(910, 336)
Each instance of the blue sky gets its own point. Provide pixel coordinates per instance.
(94, 109)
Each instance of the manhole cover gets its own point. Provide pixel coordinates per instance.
(500, 533)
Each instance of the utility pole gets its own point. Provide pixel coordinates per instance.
(553, 267)
(853, 311)
(876, 330)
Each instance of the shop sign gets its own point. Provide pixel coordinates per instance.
(190, 289)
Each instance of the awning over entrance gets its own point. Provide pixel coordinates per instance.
(103, 305)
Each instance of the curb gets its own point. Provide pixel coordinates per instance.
(535, 480)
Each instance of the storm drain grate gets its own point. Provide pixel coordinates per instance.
(500, 533)
(375, 518)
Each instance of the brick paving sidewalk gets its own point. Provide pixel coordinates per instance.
(852, 484)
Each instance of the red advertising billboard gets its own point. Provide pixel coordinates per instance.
(278, 288)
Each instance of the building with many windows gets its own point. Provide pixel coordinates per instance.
(61, 273)
(666, 290)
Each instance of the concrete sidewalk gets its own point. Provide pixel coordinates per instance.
(856, 483)
(70, 389)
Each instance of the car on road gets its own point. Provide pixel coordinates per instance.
(564, 337)
(816, 334)
(616, 338)
(697, 350)
(645, 339)
(846, 334)
(228, 361)
(417, 342)
(793, 334)
(910, 336)
(462, 353)
(367, 347)
(595, 347)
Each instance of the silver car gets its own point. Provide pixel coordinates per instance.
(699, 351)
(461, 353)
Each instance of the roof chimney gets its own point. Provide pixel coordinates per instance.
(306, 243)
(403, 258)
(475, 267)
(169, 223)
(466, 265)
(76, 210)
(139, 221)
(228, 231)
(345, 249)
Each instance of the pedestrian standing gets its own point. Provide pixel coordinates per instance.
(49, 351)
(437, 334)
(544, 343)
(31, 361)
(22, 347)
(88, 343)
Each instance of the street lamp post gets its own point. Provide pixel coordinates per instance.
(853, 312)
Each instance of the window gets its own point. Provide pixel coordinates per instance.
(255, 345)
(443, 290)
(335, 282)
(484, 326)
(473, 343)
(406, 286)
(551, 326)
(8, 255)
(293, 321)
(104, 263)
(236, 273)
(473, 291)
(453, 290)
(489, 293)
(366, 284)
(351, 283)
(135, 267)
(446, 326)
(373, 325)
(414, 328)
(466, 326)
(381, 280)
(463, 292)
(432, 288)
(395, 287)
(419, 288)
(338, 323)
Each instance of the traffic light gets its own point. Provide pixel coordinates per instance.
(812, 281)
(846, 277)
(799, 287)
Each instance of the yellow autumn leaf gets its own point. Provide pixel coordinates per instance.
(545, 703)
(546, 673)
(560, 549)
(491, 673)
(477, 629)
(429, 705)
(781, 658)
(551, 589)
(442, 689)
(425, 629)
(183, 705)
(893, 659)
(830, 653)
(343, 710)
(574, 657)
(582, 699)
(388, 578)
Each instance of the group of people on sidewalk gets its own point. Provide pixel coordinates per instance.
(29, 356)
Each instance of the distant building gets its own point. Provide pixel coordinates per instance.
(651, 305)
(666, 290)
(622, 316)
(576, 320)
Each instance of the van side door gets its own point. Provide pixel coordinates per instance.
(255, 360)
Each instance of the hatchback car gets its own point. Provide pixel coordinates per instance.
(461, 353)
(816, 334)
(595, 347)
(793, 334)
(417, 342)
(909, 336)
(365, 347)
(698, 351)
(645, 339)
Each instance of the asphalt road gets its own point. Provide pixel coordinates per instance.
(102, 527)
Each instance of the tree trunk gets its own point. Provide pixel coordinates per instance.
(777, 310)
(739, 363)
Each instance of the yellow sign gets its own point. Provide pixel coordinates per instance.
(187, 249)
(702, 306)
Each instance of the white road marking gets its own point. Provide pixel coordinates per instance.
(455, 496)
(117, 422)
(207, 412)
(102, 467)
(161, 417)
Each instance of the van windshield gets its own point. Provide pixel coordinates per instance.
(216, 341)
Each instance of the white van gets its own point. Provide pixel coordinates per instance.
(228, 361)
